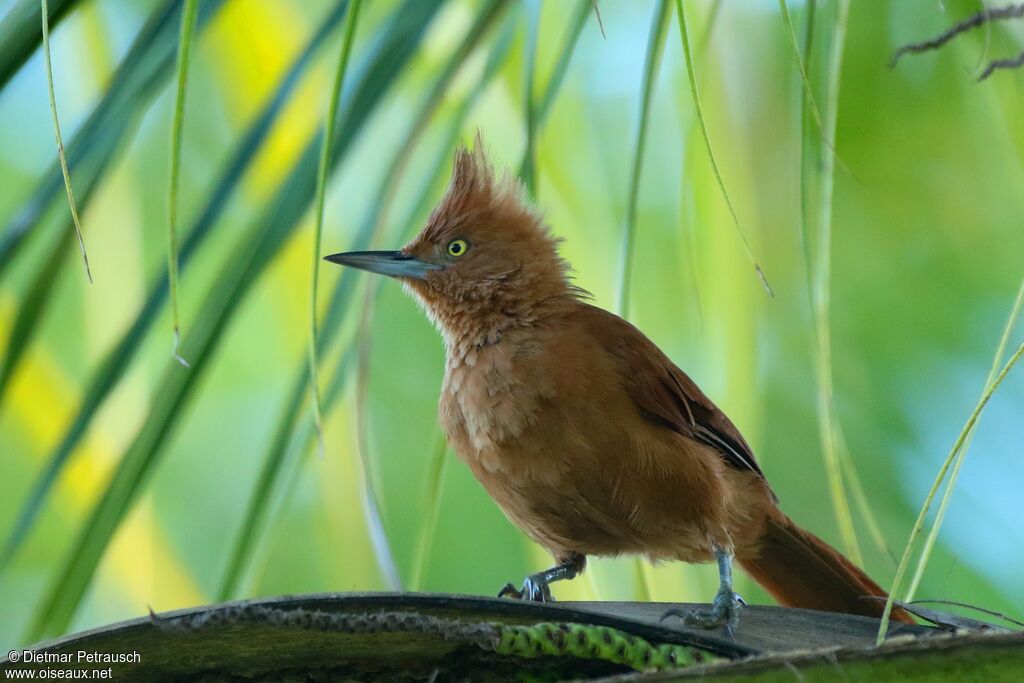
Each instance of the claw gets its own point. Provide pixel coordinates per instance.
(511, 591)
(535, 586)
(725, 611)
(533, 590)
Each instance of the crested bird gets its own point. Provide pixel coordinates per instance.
(581, 429)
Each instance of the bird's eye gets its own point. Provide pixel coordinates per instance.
(457, 247)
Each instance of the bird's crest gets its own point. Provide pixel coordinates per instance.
(477, 194)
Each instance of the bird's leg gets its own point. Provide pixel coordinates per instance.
(725, 610)
(535, 586)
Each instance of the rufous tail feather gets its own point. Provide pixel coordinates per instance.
(800, 570)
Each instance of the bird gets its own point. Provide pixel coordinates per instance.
(587, 436)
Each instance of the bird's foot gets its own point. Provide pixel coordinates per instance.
(534, 589)
(725, 611)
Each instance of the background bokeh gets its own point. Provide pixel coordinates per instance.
(927, 252)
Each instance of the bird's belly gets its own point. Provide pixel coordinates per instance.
(596, 500)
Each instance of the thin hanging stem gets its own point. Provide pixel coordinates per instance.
(699, 111)
(188, 23)
(351, 21)
(60, 140)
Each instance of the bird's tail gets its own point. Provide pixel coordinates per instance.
(800, 570)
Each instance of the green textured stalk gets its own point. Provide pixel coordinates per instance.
(45, 14)
(595, 642)
(919, 523)
(351, 21)
(699, 111)
(188, 24)
(940, 514)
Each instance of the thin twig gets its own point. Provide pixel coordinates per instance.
(1014, 11)
(996, 64)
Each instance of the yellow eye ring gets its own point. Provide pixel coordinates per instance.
(457, 247)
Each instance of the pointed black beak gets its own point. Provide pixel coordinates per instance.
(390, 263)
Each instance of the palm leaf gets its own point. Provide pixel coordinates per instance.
(21, 32)
(137, 81)
(257, 247)
(112, 368)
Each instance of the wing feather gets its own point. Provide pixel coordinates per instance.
(664, 394)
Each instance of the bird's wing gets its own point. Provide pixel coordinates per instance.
(664, 394)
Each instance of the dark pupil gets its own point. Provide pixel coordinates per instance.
(456, 248)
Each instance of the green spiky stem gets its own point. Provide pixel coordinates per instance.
(594, 642)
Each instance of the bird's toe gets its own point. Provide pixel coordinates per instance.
(724, 613)
(510, 591)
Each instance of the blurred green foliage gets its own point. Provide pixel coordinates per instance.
(927, 251)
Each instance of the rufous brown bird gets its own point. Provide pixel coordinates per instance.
(586, 435)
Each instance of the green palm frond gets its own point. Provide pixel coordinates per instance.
(21, 32)
(261, 242)
(110, 371)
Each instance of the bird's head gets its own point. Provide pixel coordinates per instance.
(483, 262)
